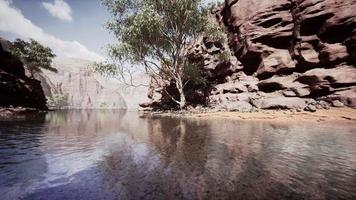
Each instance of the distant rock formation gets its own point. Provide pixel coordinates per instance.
(287, 54)
(77, 86)
(16, 89)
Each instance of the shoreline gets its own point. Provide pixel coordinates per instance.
(345, 114)
(6, 112)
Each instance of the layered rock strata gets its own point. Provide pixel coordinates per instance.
(282, 54)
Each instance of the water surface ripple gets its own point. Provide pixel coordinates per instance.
(114, 154)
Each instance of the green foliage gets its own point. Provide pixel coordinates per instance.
(214, 31)
(57, 101)
(117, 71)
(35, 55)
(155, 34)
(224, 56)
(106, 69)
(156, 29)
(193, 73)
(104, 105)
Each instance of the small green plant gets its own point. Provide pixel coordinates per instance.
(224, 56)
(57, 101)
(103, 105)
(214, 31)
(194, 74)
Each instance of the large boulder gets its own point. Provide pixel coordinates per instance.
(282, 103)
(347, 97)
(312, 32)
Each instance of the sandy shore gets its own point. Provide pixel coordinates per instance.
(333, 114)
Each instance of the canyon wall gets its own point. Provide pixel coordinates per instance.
(77, 86)
(287, 54)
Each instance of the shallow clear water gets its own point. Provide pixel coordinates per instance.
(118, 155)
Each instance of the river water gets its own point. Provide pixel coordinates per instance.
(114, 154)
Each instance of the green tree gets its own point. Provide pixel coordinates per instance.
(155, 34)
(34, 55)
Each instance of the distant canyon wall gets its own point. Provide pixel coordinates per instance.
(74, 86)
(281, 54)
(77, 86)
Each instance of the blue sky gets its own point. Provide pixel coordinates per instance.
(78, 31)
(72, 28)
(86, 26)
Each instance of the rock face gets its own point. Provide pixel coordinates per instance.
(282, 54)
(16, 89)
(77, 86)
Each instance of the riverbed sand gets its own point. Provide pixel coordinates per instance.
(333, 114)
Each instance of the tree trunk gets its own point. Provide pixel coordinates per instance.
(180, 87)
(182, 101)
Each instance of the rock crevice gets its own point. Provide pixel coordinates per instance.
(282, 54)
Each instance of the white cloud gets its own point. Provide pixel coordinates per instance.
(59, 9)
(13, 21)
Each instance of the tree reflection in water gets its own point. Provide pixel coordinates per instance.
(113, 154)
(204, 159)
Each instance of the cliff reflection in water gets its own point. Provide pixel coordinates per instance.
(219, 159)
(113, 154)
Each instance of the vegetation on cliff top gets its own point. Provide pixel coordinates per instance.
(34, 55)
(154, 35)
